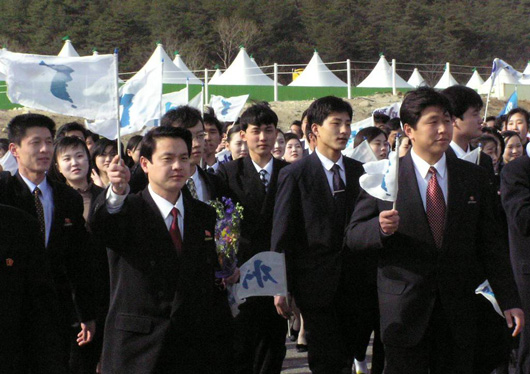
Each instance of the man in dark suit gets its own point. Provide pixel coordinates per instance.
(252, 181)
(166, 315)
(28, 301)
(59, 210)
(436, 251)
(515, 195)
(314, 202)
(466, 104)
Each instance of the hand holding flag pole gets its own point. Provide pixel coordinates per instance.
(398, 142)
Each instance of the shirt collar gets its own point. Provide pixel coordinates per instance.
(459, 151)
(165, 206)
(423, 166)
(267, 168)
(44, 187)
(327, 163)
(196, 176)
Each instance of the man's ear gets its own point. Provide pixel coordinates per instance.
(143, 163)
(408, 130)
(314, 129)
(13, 148)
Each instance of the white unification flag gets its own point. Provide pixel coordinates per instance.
(485, 290)
(140, 99)
(498, 65)
(173, 100)
(197, 102)
(262, 275)
(9, 163)
(227, 109)
(355, 128)
(73, 86)
(392, 110)
(472, 156)
(362, 153)
(380, 179)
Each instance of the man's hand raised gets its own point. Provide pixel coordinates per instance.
(119, 175)
(389, 221)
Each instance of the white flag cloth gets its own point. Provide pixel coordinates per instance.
(173, 100)
(355, 128)
(9, 163)
(73, 86)
(362, 153)
(262, 275)
(197, 102)
(227, 109)
(485, 290)
(380, 179)
(392, 110)
(498, 65)
(472, 156)
(140, 99)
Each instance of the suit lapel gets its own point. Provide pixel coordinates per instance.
(156, 222)
(320, 179)
(24, 198)
(352, 184)
(413, 218)
(456, 199)
(252, 185)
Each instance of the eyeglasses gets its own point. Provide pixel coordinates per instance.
(199, 136)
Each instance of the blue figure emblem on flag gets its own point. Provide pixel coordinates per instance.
(261, 273)
(226, 107)
(383, 183)
(126, 102)
(59, 83)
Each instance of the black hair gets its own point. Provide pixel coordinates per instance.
(4, 144)
(492, 131)
(461, 99)
(68, 127)
(184, 116)
(152, 137)
(321, 108)
(235, 129)
(499, 122)
(381, 118)
(304, 115)
(132, 145)
(394, 124)
(490, 118)
(61, 145)
(19, 125)
(89, 134)
(291, 136)
(99, 149)
(368, 133)
(507, 135)
(522, 111)
(258, 115)
(417, 100)
(211, 119)
(280, 132)
(486, 138)
(297, 123)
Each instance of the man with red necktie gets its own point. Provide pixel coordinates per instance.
(435, 249)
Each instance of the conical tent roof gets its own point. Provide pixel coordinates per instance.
(243, 72)
(504, 77)
(68, 50)
(475, 81)
(416, 79)
(381, 77)
(182, 66)
(172, 74)
(216, 75)
(317, 74)
(446, 80)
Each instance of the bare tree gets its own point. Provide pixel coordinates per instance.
(233, 32)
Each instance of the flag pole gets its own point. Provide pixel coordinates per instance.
(479, 151)
(398, 142)
(162, 93)
(493, 75)
(117, 88)
(202, 100)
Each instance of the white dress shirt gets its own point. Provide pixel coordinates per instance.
(200, 186)
(421, 167)
(459, 151)
(115, 203)
(267, 168)
(328, 164)
(46, 198)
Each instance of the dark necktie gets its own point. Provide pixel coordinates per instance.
(263, 176)
(193, 190)
(40, 212)
(174, 231)
(435, 208)
(210, 170)
(338, 183)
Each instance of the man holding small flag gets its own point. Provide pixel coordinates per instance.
(435, 248)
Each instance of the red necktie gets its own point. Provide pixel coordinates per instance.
(435, 208)
(174, 231)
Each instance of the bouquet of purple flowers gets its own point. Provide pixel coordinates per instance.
(227, 231)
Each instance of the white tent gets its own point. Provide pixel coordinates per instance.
(243, 72)
(416, 80)
(215, 75)
(475, 81)
(2, 75)
(182, 66)
(172, 74)
(527, 69)
(446, 80)
(503, 77)
(317, 74)
(68, 50)
(381, 77)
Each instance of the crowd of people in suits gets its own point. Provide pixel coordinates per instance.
(108, 260)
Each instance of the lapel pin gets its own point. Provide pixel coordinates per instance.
(67, 222)
(9, 262)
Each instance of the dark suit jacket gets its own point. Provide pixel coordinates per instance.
(412, 272)
(162, 306)
(306, 228)
(242, 183)
(28, 301)
(67, 250)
